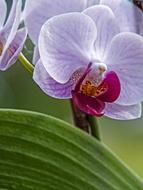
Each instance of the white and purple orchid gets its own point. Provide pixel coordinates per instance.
(11, 39)
(86, 57)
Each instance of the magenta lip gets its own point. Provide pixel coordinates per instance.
(96, 105)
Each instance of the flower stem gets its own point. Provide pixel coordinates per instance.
(85, 122)
(80, 119)
(29, 67)
(94, 126)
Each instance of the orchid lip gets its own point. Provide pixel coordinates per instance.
(87, 104)
(93, 112)
(90, 98)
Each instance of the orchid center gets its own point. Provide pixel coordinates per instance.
(92, 84)
(97, 72)
(89, 89)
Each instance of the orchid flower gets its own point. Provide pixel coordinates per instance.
(84, 56)
(36, 13)
(11, 39)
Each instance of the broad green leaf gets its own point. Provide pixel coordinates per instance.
(38, 152)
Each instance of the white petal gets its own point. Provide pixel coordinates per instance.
(49, 85)
(129, 16)
(107, 28)
(12, 24)
(36, 55)
(66, 44)
(37, 12)
(92, 2)
(3, 11)
(125, 57)
(120, 112)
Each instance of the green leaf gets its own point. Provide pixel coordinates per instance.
(38, 152)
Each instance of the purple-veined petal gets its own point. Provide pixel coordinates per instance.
(92, 2)
(121, 112)
(129, 17)
(37, 12)
(112, 81)
(49, 85)
(10, 28)
(66, 43)
(3, 11)
(11, 54)
(125, 57)
(87, 104)
(107, 28)
(36, 55)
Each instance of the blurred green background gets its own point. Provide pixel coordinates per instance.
(18, 91)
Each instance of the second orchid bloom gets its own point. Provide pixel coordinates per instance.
(12, 39)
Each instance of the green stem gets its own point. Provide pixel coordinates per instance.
(94, 126)
(29, 67)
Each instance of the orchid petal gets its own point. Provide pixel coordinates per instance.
(38, 12)
(129, 16)
(3, 11)
(92, 2)
(113, 83)
(66, 43)
(10, 28)
(87, 104)
(49, 85)
(120, 112)
(36, 55)
(11, 54)
(125, 57)
(106, 25)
